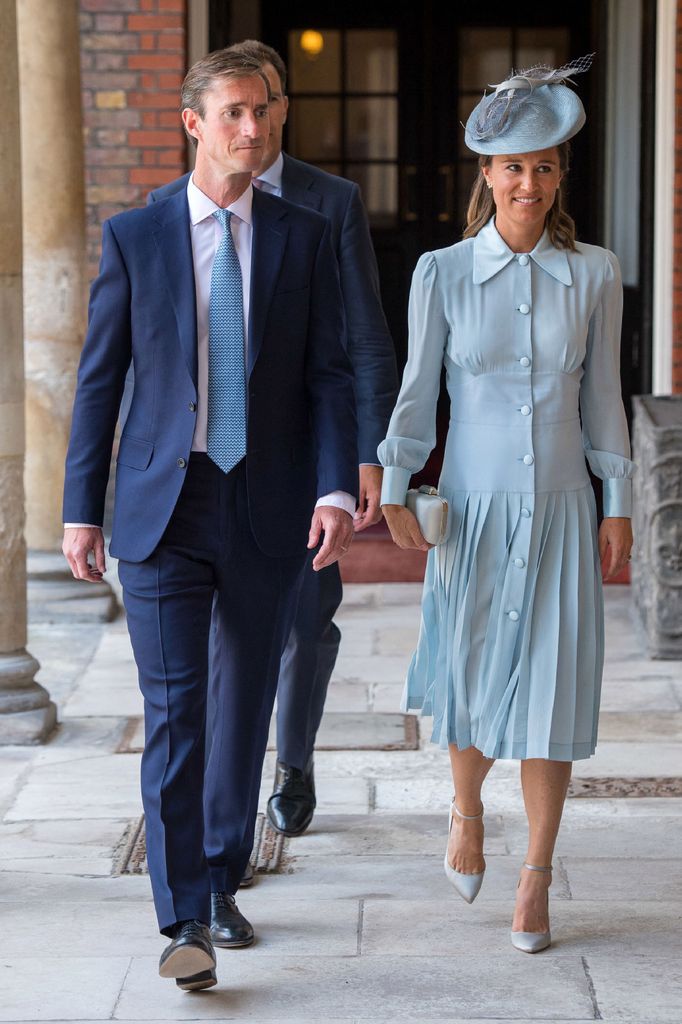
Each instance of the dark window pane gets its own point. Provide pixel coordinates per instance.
(485, 57)
(371, 61)
(372, 129)
(464, 107)
(330, 168)
(315, 129)
(542, 46)
(311, 71)
(379, 186)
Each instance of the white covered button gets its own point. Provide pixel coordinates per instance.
(519, 563)
(528, 460)
(523, 261)
(525, 513)
(525, 410)
(524, 308)
(514, 616)
(524, 360)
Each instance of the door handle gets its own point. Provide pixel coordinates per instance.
(446, 175)
(409, 192)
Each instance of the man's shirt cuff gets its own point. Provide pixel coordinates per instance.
(81, 526)
(338, 499)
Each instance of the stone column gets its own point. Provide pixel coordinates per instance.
(55, 293)
(27, 714)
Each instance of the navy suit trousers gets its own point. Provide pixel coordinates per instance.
(200, 805)
(307, 665)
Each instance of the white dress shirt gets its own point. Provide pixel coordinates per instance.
(271, 179)
(206, 234)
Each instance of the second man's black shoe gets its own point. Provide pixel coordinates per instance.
(292, 804)
(229, 927)
(189, 954)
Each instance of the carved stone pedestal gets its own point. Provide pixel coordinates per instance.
(55, 596)
(27, 715)
(657, 522)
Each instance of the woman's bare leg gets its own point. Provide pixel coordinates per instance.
(465, 846)
(544, 785)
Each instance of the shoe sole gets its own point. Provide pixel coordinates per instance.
(291, 833)
(185, 962)
(205, 979)
(232, 943)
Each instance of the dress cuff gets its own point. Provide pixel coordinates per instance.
(617, 497)
(394, 486)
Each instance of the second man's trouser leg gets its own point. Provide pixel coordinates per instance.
(253, 614)
(307, 665)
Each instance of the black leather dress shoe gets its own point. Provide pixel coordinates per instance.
(204, 979)
(247, 877)
(229, 927)
(189, 958)
(292, 804)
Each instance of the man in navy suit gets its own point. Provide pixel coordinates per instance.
(241, 428)
(311, 652)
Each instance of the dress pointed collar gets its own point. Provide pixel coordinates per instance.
(492, 254)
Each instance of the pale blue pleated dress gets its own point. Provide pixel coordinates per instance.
(511, 644)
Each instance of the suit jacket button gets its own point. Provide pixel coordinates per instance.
(192, 406)
(181, 463)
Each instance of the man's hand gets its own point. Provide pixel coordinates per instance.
(404, 527)
(337, 527)
(615, 542)
(79, 541)
(369, 510)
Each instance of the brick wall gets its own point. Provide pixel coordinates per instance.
(133, 60)
(677, 214)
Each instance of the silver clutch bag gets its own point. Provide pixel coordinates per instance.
(430, 511)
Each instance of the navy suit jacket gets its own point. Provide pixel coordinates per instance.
(301, 427)
(368, 339)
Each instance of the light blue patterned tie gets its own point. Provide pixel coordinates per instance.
(226, 370)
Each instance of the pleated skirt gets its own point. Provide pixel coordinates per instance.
(511, 645)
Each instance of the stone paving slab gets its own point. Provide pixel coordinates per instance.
(385, 835)
(611, 879)
(579, 927)
(646, 988)
(283, 927)
(641, 727)
(64, 988)
(655, 693)
(268, 988)
(77, 788)
(59, 839)
(26, 888)
(616, 838)
(392, 877)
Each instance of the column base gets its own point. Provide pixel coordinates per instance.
(55, 596)
(27, 715)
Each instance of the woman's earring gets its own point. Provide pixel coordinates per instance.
(489, 184)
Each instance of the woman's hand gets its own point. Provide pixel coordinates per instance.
(615, 543)
(404, 527)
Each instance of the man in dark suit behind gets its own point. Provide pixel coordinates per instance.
(310, 655)
(241, 428)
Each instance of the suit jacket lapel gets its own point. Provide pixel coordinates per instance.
(297, 185)
(174, 242)
(267, 252)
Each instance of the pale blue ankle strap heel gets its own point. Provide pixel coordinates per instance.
(533, 942)
(467, 885)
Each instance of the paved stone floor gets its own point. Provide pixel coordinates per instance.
(362, 925)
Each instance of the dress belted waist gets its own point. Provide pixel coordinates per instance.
(514, 432)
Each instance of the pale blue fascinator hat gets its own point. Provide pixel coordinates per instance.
(532, 109)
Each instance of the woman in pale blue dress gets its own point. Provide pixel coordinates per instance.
(526, 322)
